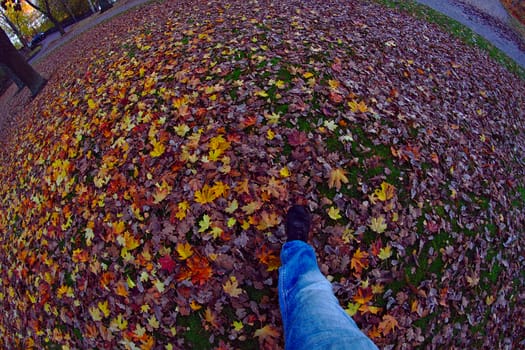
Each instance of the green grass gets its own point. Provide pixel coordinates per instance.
(196, 337)
(456, 29)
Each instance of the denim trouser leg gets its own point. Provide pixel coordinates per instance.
(312, 316)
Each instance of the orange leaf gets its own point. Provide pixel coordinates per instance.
(198, 270)
(359, 262)
(363, 295)
(336, 177)
(387, 325)
(265, 332)
(106, 278)
(268, 258)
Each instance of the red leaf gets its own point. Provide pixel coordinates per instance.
(167, 263)
(297, 138)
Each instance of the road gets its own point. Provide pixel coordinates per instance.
(492, 8)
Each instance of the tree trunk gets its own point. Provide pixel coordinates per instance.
(91, 6)
(49, 15)
(68, 9)
(10, 56)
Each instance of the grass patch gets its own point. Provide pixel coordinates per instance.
(195, 336)
(457, 29)
(428, 264)
(519, 201)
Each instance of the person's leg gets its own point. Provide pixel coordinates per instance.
(311, 314)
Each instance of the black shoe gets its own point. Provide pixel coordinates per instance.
(297, 223)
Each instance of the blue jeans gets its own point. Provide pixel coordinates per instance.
(312, 316)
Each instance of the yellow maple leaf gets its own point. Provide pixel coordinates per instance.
(336, 177)
(206, 195)
(139, 330)
(238, 325)
(119, 227)
(185, 250)
(216, 232)
(159, 285)
(153, 322)
(378, 224)
(182, 209)
(195, 306)
(231, 222)
(261, 93)
(378, 288)
(158, 148)
(352, 308)
(307, 75)
(128, 241)
(219, 145)
(104, 307)
(205, 223)
(95, 313)
(386, 192)
(119, 323)
(232, 207)
(334, 84)
(92, 104)
(65, 290)
(219, 189)
(284, 172)
(358, 106)
(334, 214)
(385, 253)
(280, 84)
(231, 287)
(181, 129)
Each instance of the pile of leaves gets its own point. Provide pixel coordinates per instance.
(143, 192)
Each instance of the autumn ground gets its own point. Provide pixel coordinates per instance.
(143, 190)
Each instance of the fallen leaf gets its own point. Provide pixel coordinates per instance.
(336, 177)
(378, 224)
(185, 250)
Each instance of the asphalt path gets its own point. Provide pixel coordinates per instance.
(54, 40)
(480, 25)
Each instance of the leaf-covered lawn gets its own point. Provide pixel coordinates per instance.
(143, 192)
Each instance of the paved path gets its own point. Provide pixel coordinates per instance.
(55, 41)
(490, 7)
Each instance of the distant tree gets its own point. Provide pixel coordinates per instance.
(24, 20)
(4, 18)
(43, 6)
(10, 56)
